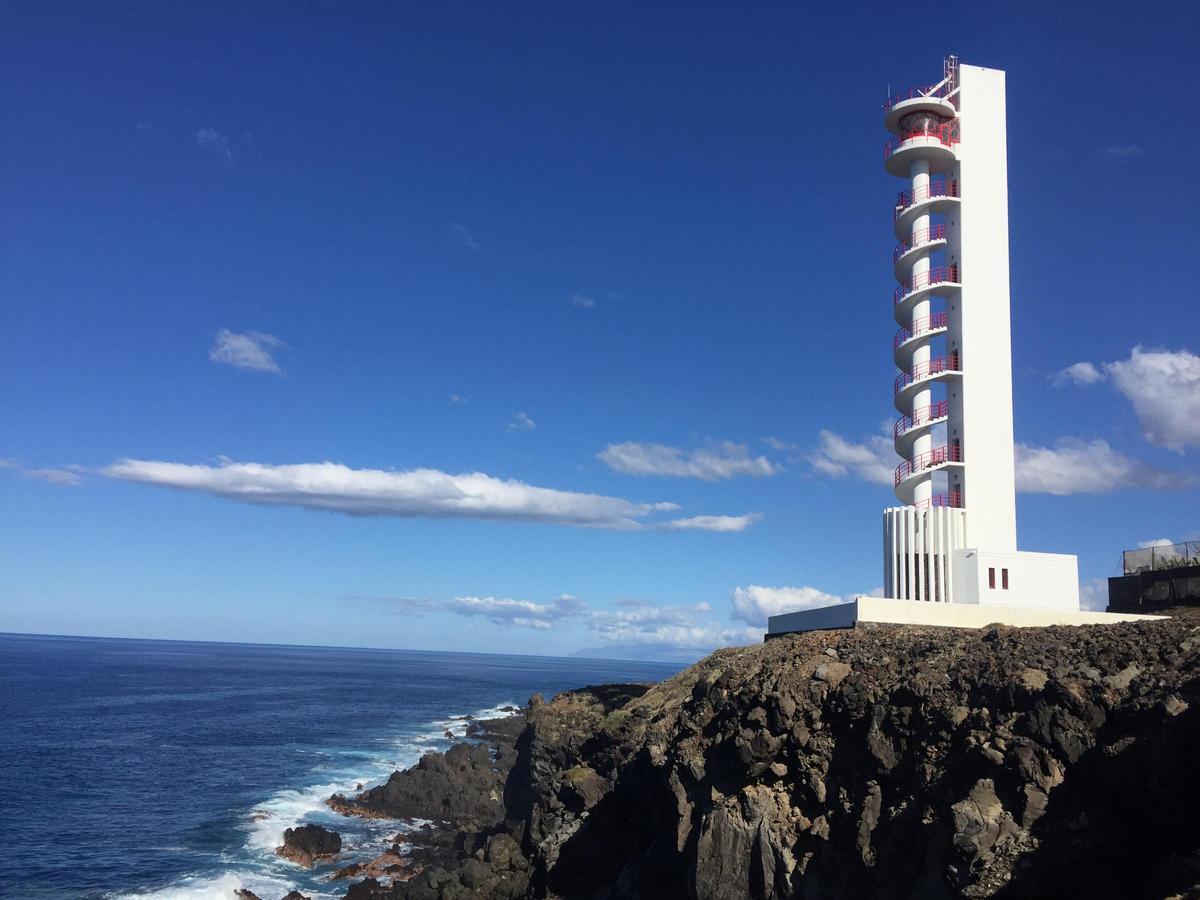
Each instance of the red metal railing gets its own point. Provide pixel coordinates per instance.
(921, 416)
(910, 94)
(946, 135)
(921, 280)
(937, 187)
(937, 91)
(926, 369)
(923, 325)
(923, 236)
(952, 499)
(927, 460)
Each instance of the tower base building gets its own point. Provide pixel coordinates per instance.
(950, 552)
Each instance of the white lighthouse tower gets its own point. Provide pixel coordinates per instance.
(950, 549)
(954, 435)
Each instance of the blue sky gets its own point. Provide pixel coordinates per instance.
(574, 322)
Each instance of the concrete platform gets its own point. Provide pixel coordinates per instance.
(884, 610)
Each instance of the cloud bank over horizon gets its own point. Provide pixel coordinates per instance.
(652, 629)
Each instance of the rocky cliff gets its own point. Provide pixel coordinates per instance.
(887, 761)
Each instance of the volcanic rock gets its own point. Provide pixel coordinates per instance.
(309, 844)
(388, 864)
(884, 761)
(464, 785)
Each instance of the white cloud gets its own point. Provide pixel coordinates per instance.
(497, 610)
(754, 604)
(1121, 151)
(1074, 466)
(674, 627)
(792, 453)
(458, 399)
(521, 422)
(655, 630)
(1156, 542)
(251, 350)
(61, 477)
(1093, 594)
(522, 613)
(404, 606)
(632, 613)
(464, 237)
(582, 302)
(715, 461)
(216, 143)
(426, 493)
(1164, 388)
(873, 461)
(1082, 373)
(712, 523)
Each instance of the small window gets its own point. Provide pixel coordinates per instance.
(1004, 579)
(992, 578)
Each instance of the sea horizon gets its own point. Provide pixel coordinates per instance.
(171, 768)
(115, 637)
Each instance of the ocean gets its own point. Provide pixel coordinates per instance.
(170, 769)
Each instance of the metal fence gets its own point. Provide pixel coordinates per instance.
(1167, 556)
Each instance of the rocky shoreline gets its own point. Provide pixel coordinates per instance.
(875, 762)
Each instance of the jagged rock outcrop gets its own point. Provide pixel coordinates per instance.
(464, 785)
(309, 844)
(878, 762)
(496, 869)
(391, 863)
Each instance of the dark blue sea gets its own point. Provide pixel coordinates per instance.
(171, 769)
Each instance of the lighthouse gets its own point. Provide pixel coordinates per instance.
(950, 552)
(956, 476)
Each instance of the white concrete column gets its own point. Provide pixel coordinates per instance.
(923, 487)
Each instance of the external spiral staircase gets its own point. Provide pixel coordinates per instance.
(924, 122)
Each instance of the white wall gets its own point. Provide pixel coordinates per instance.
(1035, 580)
(981, 232)
(917, 544)
(951, 615)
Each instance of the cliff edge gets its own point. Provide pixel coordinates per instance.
(886, 762)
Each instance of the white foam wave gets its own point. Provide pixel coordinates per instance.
(292, 807)
(288, 809)
(457, 725)
(216, 887)
(272, 875)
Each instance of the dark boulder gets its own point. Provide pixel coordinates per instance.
(310, 844)
(464, 785)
